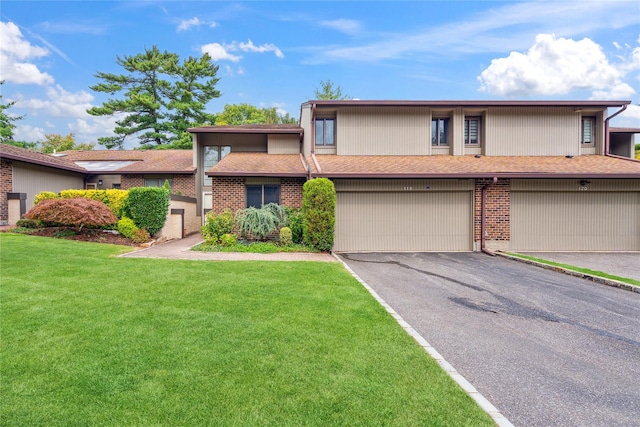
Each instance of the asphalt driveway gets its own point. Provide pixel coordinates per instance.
(545, 348)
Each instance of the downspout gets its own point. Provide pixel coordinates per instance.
(313, 137)
(483, 214)
(606, 129)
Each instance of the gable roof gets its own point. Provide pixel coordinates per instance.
(133, 161)
(260, 164)
(33, 157)
(470, 166)
(256, 128)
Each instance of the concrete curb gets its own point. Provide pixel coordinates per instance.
(482, 401)
(595, 279)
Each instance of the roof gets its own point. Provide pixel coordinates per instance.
(33, 157)
(470, 166)
(133, 161)
(467, 103)
(257, 128)
(260, 164)
(624, 130)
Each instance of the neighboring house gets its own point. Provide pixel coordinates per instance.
(622, 141)
(25, 173)
(439, 175)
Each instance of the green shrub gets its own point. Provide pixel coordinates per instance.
(28, 223)
(295, 220)
(228, 239)
(319, 207)
(114, 198)
(279, 212)
(216, 226)
(256, 224)
(140, 236)
(44, 195)
(127, 227)
(285, 236)
(147, 207)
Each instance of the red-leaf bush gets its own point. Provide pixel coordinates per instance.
(76, 212)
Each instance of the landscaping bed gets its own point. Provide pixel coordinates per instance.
(84, 235)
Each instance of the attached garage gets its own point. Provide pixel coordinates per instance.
(404, 215)
(575, 215)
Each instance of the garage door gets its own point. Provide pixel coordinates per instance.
(575, 221)
(404, 221)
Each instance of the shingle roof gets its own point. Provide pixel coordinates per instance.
(259, 164)
(33, 157)
(470, 166)
(257, 128)
(624, 130)
(144, 161)
(465, 103)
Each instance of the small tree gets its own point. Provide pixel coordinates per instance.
(319, 207)
(328, 91)
(78, 212)
(259, 223)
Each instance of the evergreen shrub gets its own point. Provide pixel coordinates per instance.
(148, 208)
(319, 207)
(217, 225)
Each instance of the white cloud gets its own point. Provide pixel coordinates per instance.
(15, 56)
(552, 66)
(28, 133)
(347, 26)
(619, 91)
(250, 47)
(217, 52)
(59, 103)
(186, 24)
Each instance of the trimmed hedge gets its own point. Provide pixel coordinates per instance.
(113, 198)
(148, 207)
(319, 207)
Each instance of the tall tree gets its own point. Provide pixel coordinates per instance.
(6, 121)
(243, 114)
(328, 91)
(160, 98)
(55, 142)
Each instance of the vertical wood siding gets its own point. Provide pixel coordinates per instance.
(32, 179)
(383, 131)
(532, 132)
(283, 144)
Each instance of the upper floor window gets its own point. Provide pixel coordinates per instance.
(259, 195)
(211, 155)
(588, 130)
(439, 132)
(326, 131)
(472, 130)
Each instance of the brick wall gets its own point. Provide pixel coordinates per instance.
(6, 186)
(291, 192)
(227, 193)
(185, 185)
(498, 210)
(130, 181)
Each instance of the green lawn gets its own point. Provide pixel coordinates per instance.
(90, 339)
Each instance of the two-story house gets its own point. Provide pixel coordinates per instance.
(439, 175)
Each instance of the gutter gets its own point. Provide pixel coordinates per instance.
(483, 214)
(606, 129)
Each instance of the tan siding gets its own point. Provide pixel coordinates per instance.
(532, 132)
(575, 221)
(238, 142)
(383, 131)
(593, 185)
(283, 144)
(305, 124)
(395, 222)
(403, 185)
(32, 179)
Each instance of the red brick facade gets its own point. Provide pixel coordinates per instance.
(6, 186)
(230, 193)
(183, 185)
(497, 210)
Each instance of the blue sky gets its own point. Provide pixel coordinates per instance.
(276, 53)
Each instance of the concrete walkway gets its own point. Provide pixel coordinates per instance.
(180, 249)
(622, 264)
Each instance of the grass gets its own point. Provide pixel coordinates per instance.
(89, 339)
(579, 269)
(254, 247)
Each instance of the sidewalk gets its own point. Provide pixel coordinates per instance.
(180, 249)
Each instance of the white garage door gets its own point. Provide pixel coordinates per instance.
(575, 221)
(400, 222)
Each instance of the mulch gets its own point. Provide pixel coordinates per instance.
(84, 235)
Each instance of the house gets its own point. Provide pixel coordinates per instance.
(439, 175)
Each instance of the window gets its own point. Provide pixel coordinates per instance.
(439, 132)
(158, 182)
(472, 131)
(211, 155)
(326, 132)
(115, 186)
(259, 195)
(588, 130)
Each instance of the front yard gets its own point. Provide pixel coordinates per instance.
(89, 339)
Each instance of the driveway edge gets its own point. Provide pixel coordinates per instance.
(591, 277)
(482, 401)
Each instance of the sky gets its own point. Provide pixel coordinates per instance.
(275, 54)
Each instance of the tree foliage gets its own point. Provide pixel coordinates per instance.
(329, 91)
(159, 97)
(6, 121)
(148, 207)
(319, 207)
(78, 212)
(247, 114)
(55, 142)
